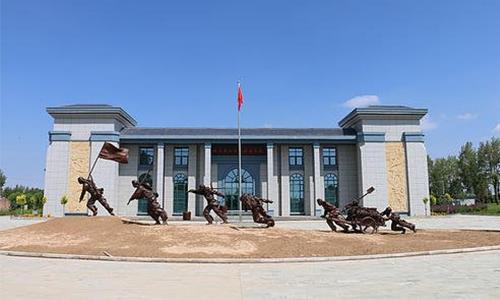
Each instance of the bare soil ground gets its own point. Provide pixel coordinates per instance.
(94, 235)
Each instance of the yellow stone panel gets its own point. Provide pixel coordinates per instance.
(396, 176)
(79, 156)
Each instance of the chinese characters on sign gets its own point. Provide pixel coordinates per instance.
(233, 150)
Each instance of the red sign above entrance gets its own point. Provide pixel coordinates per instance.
(233, 149)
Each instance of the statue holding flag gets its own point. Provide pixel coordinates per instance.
(108, 152)
(96, 194)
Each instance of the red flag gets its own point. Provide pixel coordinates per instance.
(110, 152)
(240, 96)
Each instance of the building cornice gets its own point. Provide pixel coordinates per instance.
(92, 110)
(382, 112)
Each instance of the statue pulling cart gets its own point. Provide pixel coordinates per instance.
(362, 219)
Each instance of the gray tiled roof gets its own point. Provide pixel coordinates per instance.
(292, 132)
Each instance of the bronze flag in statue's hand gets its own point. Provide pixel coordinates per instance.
(110, 152)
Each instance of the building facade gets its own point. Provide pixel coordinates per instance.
(379, 146)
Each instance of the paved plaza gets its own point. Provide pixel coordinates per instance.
(473, 275)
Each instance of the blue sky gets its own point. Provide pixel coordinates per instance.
(301, 63)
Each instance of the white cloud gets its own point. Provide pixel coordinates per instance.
(426, 124)
(467, 116)
(361, 101)
(497, 128)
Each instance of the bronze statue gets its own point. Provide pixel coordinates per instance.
(331, 214)
(88, 185)
(356, 213)
(396, 220)
(212, 203)
(255, 204)
(144, 190)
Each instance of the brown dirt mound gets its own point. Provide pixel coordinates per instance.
(94, 235)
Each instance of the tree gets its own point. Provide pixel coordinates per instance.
(64, 200)
(489, 162)
(32, 202)
(41, 202)
(471, 175)
(448, 200)
(443, 177)
(21, 200)
(433, 200)
(3, 178)
(425, 200)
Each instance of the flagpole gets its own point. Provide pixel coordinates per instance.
(239, 160)
(95, 162)
(93, 166)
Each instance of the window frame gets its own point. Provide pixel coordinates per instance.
(330, 160)
(181, 160)
(152, 155)
(296, 156)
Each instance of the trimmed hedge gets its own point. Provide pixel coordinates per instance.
(458, 209)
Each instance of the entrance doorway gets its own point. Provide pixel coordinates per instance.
(230, 185)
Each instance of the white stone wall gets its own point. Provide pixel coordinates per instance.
(372, 161)
(81, 127)
(127, 173)
(319, 177)
(347, 174)
(418, 180)
(160, 176)
(56, 177)
(393, 128)
(168, 179)
(272, 173)
(285, 182)
(263, 180)
(192, 182)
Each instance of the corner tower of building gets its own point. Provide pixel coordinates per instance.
(391, 156)
(74, 142)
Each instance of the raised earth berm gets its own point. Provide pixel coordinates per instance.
(111, 236)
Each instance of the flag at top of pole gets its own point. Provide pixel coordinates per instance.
(240, 96)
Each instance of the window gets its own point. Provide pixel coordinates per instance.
(330, 156)
(295, 156)
(180, 193)
(146, 156)
(297, 194)
(181, 156)
(332, 189)
(231, 185)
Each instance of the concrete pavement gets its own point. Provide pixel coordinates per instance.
(452, 276)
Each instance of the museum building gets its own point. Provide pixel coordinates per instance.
(379, 146)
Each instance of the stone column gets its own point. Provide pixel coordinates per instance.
(168, 195)
(285, 182)
(192, 166)
(319, 190)
(272, 181)
(160, 171)
(373, 169)
(417, 173)
(56, 171)
(208, 164)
